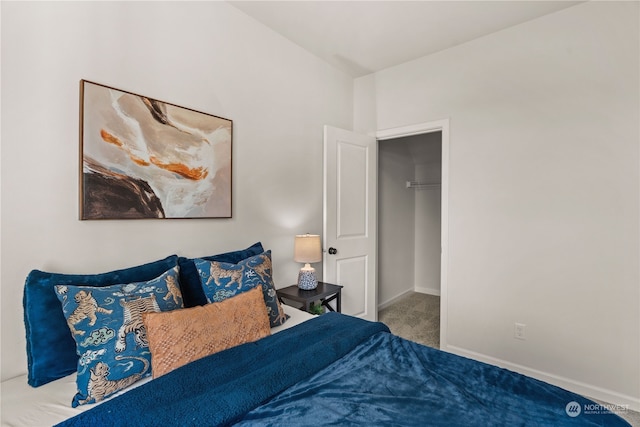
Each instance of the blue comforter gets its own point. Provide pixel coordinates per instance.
(389, 381)
(339, 370)
(218, 389)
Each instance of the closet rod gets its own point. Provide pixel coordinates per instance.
(422, 185)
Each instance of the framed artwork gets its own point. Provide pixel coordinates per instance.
(144, 158)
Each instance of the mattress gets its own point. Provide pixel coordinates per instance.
(23, 405)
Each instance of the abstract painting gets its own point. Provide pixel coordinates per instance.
(144, 158)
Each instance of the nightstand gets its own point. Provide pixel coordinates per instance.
(325, 292)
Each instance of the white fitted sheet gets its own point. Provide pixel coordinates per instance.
(22, 405)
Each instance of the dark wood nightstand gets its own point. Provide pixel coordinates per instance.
(325, 292)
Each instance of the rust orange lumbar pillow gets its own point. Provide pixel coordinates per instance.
(182, 336)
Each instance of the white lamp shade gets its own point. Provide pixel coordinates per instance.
(307, 248)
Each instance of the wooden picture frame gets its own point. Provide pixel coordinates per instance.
(144, 158)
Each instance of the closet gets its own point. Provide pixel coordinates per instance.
(409, 211)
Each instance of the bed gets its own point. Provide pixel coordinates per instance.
(50, 404)
(300, 370)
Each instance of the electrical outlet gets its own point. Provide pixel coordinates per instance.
(518, 331)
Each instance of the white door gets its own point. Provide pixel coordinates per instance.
(350, 208)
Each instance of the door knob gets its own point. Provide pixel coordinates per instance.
(333, 251)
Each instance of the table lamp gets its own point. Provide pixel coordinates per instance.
(307, 249)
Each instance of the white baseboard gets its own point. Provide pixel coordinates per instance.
(394, 299)
(425, 290)
(587, 390)
(421, 290)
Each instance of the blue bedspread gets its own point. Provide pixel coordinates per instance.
(389, 381)
(218, 389)
(339, 370)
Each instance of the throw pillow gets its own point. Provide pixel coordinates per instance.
(182, 336)
(222, 280)
(51, 351)
(190, 280)
(111, 340)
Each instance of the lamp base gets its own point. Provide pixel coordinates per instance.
(307, 279)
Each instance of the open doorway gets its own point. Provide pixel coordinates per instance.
(411, 240)
(350, 215)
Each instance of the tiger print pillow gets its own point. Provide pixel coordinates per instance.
(111, 340)
(222, 280)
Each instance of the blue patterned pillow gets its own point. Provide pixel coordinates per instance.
(51, 352)
(222, 280)
(190, 280)
(111, 341)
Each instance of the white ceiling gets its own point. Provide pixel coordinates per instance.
(361, 37)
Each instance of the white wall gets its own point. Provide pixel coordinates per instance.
(364, 105)
(427, 237)
(396, 222)
(428, 206)
(544, 192)
(202, 55)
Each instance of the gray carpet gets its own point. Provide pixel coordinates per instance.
(416, 317)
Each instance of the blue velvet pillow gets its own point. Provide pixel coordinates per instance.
(51, 351)
(190, 280)
(110, 336)
(223, 280)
